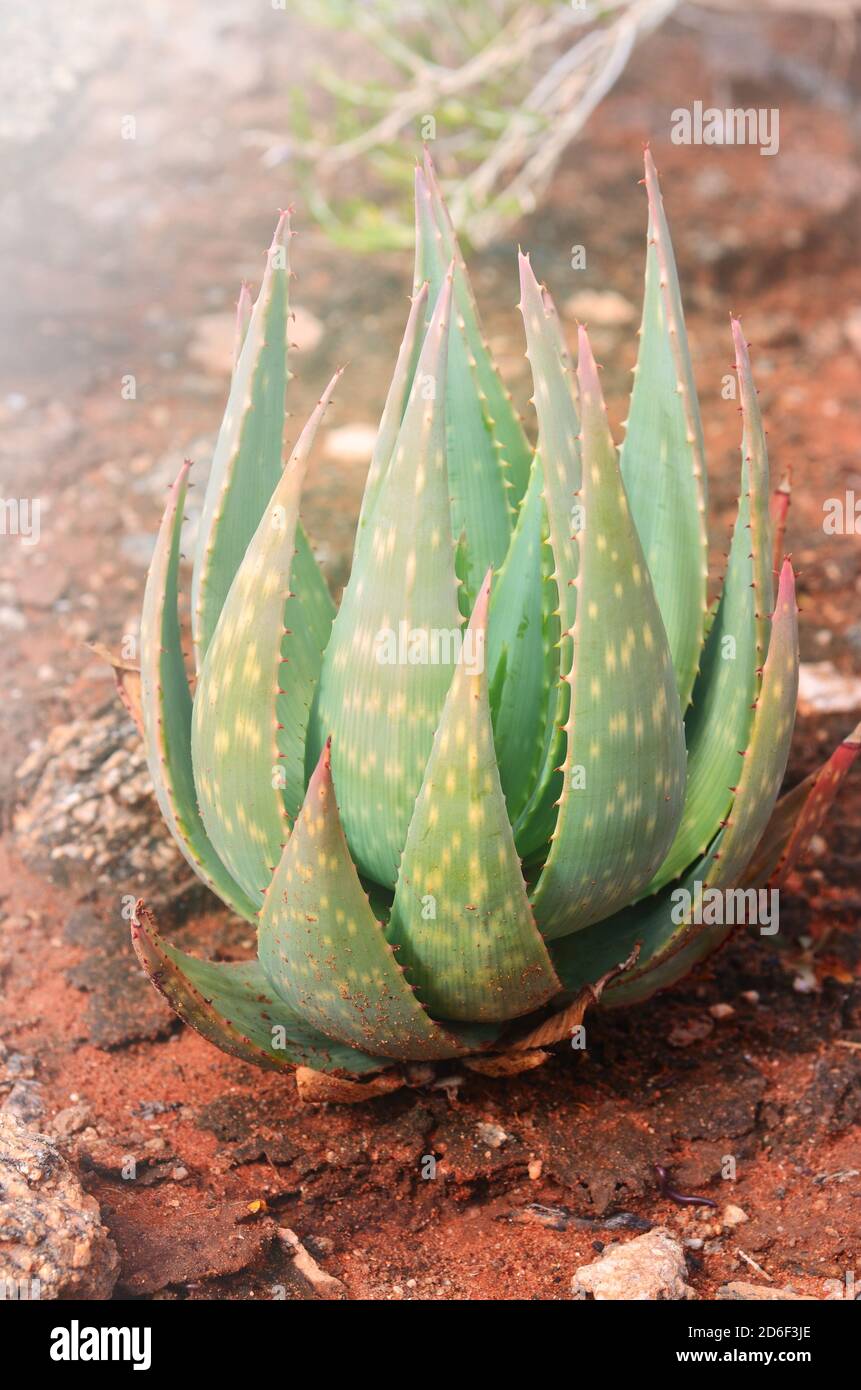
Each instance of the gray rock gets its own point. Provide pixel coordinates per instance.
(24, 1102)
(649, 1268)
(51, 1236)
(761, 1293)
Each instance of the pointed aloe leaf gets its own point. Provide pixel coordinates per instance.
(396, 404)
(461, 922)
(478, 486)
(244, 308)
(247, 461)
(522, 653)
(310, 592)
(674, 955)
(232, 1005)
(327, 956)
(253, 699)
(535, 820)
(166, 709)
(508, 431)
(394, 643)
(718, 721)
(779, 514)
(755, 453)
(623, 770)
(554, 397)
(798, 816)
(662, 924)
(662, 458)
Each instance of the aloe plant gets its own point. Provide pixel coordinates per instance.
(462, 806)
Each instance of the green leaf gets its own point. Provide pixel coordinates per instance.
(166, 709)
(461, 922)
(254, 695)
(326, 955)
(231, 1005)
(244, 309)
(478, 486)
(535, 823)
(718, 722)
(522, 650)
(247, 462)
(667, 935)
(623, 769)
(662, 458)
(379, 702)
(393, 410)
(755, 455)
(514, 451)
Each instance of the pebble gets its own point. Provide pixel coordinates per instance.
(649, 1268)
(752, 1293)
(720, 1011)
(492, 1135)
(734, 1216)
(72, 1120)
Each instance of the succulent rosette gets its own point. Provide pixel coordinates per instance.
(470, 800)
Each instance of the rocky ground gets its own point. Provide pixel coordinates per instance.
(214, 1181)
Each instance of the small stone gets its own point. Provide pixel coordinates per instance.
(720, 1011)
(753, 1293)
(72, 1120)
(649, 1268)
(24, 1102)
(751, 996)
(492, 1135)
(534, 1168)
(178, 1174)
(694, 1243)
(734, 1216)
(805, 981)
